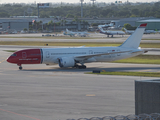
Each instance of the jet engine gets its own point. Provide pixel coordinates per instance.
(66, 62)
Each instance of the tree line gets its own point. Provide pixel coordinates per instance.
(89, 11)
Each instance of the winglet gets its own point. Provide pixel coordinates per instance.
(143, 25)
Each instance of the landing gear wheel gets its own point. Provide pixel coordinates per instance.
(76, 66)
(82, 67)
(20, 67)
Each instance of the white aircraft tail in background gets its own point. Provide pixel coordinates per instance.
(105, 25)
(149, 31)
(128, 31)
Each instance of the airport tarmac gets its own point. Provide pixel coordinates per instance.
(40, 92)
(151, 38)
(93, 34)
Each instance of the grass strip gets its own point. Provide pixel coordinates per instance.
(55, 37)
(10, 50)
(149, 39)
(142, 74)
(141, 59)
(90, 44)
(40, 43)
(150, 45)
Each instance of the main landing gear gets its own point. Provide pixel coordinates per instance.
(80, 66)
(20, 67)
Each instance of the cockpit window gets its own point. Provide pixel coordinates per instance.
(14, 54)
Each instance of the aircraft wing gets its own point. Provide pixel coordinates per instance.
(93, 55)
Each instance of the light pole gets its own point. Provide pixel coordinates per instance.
(93, 1)
(81, 7)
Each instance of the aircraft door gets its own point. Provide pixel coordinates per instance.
(113, 55)
(118, 54)
(47, 54)
(24, 55)
(90, 52)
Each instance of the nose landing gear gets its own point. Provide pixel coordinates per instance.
(80, 66)
(20, 67)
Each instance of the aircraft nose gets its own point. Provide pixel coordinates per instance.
(12, 58)
(9, 60)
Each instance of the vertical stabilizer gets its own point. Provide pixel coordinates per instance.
(125, 29)
(134, 40)
(101, 30)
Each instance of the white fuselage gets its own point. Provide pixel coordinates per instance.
(51, 55)
(111, 32)
(129, 32)
(115, 33)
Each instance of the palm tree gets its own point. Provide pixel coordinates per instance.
(41, 23)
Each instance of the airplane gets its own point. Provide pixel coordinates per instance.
(70, 34)
(111, 32)
(81, 34)
(149, 31)
(128, 31)
(78, 56)
(105, 25)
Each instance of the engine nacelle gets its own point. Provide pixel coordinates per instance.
(66, 62)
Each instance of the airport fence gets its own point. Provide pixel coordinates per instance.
(153, 116)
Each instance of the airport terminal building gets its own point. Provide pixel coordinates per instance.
(12, 23)
(19, 23)
(152, 24)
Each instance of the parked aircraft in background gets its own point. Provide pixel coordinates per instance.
(158, 31)
(78, 56)
(80, 34)
(105, 25)
(111, 32)
(70, 34)
(149, 31)
(128, 31)
(145, 32)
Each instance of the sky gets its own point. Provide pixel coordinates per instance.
(69, 1)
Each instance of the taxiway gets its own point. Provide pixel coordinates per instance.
(41, 92)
